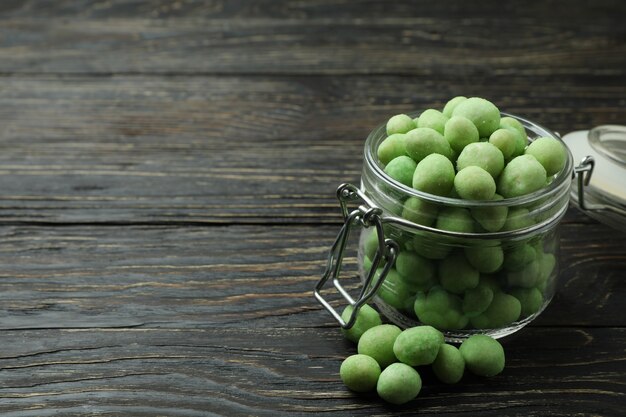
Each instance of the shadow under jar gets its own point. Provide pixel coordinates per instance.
(493, 278)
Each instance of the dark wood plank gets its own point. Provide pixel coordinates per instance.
(455, 39)
(252, 276)
(289, 371)
(229, 149)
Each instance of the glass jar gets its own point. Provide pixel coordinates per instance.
(464, 267)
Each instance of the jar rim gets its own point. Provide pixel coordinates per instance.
(559, 185)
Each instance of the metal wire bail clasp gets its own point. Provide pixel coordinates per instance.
(366, 215)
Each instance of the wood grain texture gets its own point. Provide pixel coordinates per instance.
(288, 37)
(242, 371)
(243, 276)
(228, 149)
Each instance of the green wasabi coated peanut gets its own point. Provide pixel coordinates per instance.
(419, 211)
(359, 373)
(486, 259)
(483, 155)
(418, 345)
(402, 169)
(370, 243)
(366, 318)
(530, 299)
(474, 183)
(455, 219)
(522, 175)
(547, 264)
(460, 132)
(483, 355)
(416, 271)
(434, 174)
(491, 282)
(550, 153)
(394, 291)
(399, 384)
(390, 148)
(477, 300)
(400, 123)
(451, 105)
(503, 310)
(440, 309)
(424, 141)
(483, 113)
(449, 364)
(516, 258)
(431, 248)
(456, 274)
(517, 218)
(377, 343)
(527, 277)
(433, 119)
(491, 218)
(506, 140)
(521, 140)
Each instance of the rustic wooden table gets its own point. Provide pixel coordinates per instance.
(167, 197)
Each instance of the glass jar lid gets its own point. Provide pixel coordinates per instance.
(602, 154)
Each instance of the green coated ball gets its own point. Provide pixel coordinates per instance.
(359, 373)
(474, 183)
(449, 364)
(394, 291)
(400, 123)
(517, 218)
(424, 141)
(522, 175)
(377, 343)
(506, 140)
(402, 169)
(521, 141)
(455, 219)
(483, 155)
(491, 218)
(366, 318)
(398, 384)
(419, 211)
(460, 132)
(483, 355)
(518, 256)
(434, 174)
(440, 309)
(415, 270)
(484, 114)
(418, 345)
(456, 274)
(503, 310)
(550, 153)
(527, 277)
(477, 300)
(433, 119)
(390, 148)
(530, 299)
(451, 105)
(486, 259)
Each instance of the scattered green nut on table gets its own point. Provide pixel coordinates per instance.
(360, 373)
(418, 345)
(424, 141)
(483, 355)
(399, 383)
(434, 174)
(402, 169)
(522, 175)
(366, 318)
(449, 364)
(549, 152)
(378, 341)
(474, 183)
(433, 119)
(400, 123)
(483, 113)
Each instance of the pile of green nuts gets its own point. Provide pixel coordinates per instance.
(470, 153)
(387, 357)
